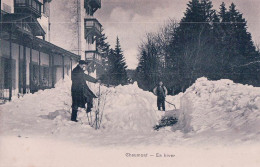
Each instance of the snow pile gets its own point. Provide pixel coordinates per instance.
(30, 123)
(34, 113)
(122, 108)
(220, 106)
(128, 108)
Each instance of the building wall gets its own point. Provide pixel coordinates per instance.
(70, 15)
(45, 19)
(44, 22)
(64, 19)
(7, 6)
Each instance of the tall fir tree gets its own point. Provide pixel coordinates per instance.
(107, 77)
(238, 47)
(102, 44)
(103, 47)
(223, 13)
(142, 70)
(117, 65)
(189, 48)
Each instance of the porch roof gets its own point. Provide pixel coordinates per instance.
(51, 48)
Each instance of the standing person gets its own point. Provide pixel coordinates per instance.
(160, 91)
(81, 94)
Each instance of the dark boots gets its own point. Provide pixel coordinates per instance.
(74, 114)
(75, 111)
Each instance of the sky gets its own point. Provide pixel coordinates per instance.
(130, 20)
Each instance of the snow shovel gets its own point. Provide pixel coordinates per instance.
(171, 104)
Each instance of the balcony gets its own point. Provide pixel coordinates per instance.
(93, 56)
(28, 6)
(92, 5)
(92, 28)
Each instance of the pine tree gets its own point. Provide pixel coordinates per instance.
(103, 47)
(117, 65)
(142, 71)
(107, 77)
(190, 48)
(121, 64)
(241, 49)
(223, 13)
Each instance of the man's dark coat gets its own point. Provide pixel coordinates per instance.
(81, 94)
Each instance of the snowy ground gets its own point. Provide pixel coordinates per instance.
(218, 126)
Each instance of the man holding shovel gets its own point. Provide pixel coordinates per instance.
(81, 94)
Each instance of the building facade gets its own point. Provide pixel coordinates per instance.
(78, 15)
(28, 61)
(92, 31)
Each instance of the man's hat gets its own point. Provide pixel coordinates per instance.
(83, 62)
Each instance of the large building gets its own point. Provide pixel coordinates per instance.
(73, 21)
(28, 60)
(92, 29)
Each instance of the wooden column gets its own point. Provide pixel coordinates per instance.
(19, 71)
(24, 69)
(1, 21)
(63, 67)
(52, 71)
(39, 70)
(71, 66)
(30, 67)
(10, 66)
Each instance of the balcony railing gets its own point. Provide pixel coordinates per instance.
(93, 56)
(28, 6)
(92, 27)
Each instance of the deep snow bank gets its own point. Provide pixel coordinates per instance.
(123, 107)
(130, 108)
(220, 106)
